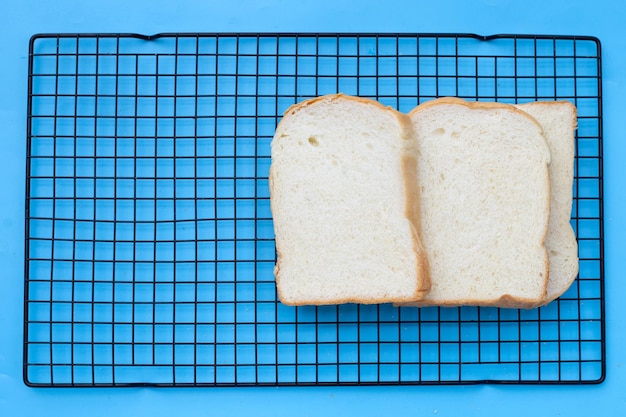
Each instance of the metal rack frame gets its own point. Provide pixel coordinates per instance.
(149, 241)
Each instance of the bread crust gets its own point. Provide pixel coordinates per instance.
(476, 105)
(294, 108)
(408, 170)
(412, 212)
(573, 109)
(505, 301)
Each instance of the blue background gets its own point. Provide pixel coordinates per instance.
(20, 20)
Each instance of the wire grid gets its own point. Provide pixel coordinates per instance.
(149, 236)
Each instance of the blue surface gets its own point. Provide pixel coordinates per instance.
(20, 20)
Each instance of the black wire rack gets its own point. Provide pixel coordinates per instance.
(149, 236)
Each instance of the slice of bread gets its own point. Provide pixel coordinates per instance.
(485, 203)
(559, 121)
(346, 217)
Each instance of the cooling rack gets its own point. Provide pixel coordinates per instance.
(149, 237)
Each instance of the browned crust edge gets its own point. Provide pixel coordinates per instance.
(475, 105)
(573, 109)
(294, 108)
(413, 214)
(504, 301)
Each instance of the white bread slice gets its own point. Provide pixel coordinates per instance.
(559, 121)
(346, 218)
(485, 203)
